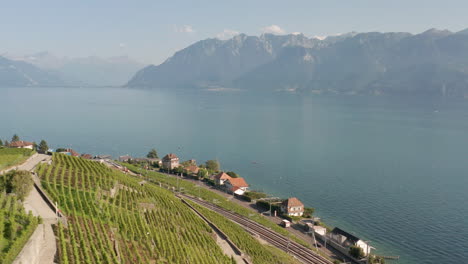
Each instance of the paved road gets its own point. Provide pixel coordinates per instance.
(41, 247)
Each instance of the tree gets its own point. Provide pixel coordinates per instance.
(308, 212)
(1, 143)
(18, 182)
(43, 147)
(15, 138)
(212, 165)
(356, 252)
(232, 174)
(153, 154)
(6, 143)
(202, 173)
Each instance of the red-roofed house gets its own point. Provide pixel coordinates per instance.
(221, 177)
(236, 185)
(22, 144)
(292, 207)
(170, 161)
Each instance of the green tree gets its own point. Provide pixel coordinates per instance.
(15, 138)
(232, 174)
(356, 252)
(153, 154)
(43, 147)
(308, 212)
(1, 143)
(18, 182)
(212, 165)
(202, 173)
(6, 143)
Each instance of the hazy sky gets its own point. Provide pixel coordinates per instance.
(151, 31)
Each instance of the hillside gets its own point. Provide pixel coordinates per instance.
(433, 63)
(115, 218)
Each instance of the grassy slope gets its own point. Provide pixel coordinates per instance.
(11, 156)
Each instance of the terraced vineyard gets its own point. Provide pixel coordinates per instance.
(13, 156)
(16, 226)
(258, 252)
(197, 191)
(114, 219)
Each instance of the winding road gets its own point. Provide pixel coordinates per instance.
(41, 247)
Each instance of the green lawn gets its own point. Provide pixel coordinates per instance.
(12, 156)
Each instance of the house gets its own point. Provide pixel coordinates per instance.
(192, 169)
(125, 158)
(346, 239)
(221, 177)
(21, 144)
(170, 161)
(236, 185)
(320, 230)
(292, 207)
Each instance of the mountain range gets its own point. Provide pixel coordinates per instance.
(20, 73)
(433, 63)
(86, 71)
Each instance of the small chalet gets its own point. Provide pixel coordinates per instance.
(347, 240)
(221, 177)
(292, 207)
(236, 185)
(170, 161)
(22, 144)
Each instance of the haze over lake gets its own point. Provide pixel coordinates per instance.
(390, 170)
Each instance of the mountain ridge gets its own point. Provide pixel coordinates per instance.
(352, 63)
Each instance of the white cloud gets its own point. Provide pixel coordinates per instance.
(227, 34)
(296, 33)
(273, 29)
(184, 29)
(122, 45)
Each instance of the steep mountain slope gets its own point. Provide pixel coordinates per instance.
(216, 62)
(434, 63)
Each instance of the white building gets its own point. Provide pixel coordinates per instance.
(236, 185)
(347, 240)
(292, 207)
(170, 161)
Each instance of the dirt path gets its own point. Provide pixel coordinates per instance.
(41, 247)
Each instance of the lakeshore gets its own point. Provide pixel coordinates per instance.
(392, 162)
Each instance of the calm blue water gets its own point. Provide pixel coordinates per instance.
(393, 171)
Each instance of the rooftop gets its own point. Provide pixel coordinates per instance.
(238, 182)
(170, 156)
(20, 143)
(292, 202)
(340, 231)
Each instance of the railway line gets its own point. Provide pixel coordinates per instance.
(302, 253)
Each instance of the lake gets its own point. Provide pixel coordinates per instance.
(393, 171)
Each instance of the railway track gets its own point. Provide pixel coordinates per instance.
(284, 243)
